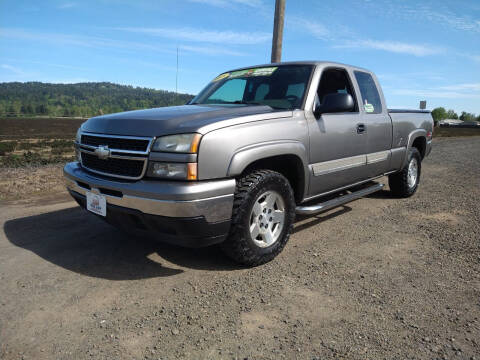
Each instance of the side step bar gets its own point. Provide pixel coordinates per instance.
(330, 204)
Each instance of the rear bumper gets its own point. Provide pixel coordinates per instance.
(185, 213)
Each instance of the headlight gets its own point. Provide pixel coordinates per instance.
(78, 140)
(177, 171)
(182, 143)
(78, 137)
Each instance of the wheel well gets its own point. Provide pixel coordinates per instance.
(290, 166)
(421, 144)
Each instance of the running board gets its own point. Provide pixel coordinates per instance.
(330, 204)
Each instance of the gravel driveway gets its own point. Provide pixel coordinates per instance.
(380, 278)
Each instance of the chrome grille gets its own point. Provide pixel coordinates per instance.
(116, 143)
(126, 157)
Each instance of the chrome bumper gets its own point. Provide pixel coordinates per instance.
(210, 199)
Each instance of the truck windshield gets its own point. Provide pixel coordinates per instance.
(281, 87)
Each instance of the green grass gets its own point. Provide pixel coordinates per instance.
(7, 147)
(31, 159)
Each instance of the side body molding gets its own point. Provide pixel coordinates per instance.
(251, 153)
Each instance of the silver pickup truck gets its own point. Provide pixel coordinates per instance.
(254, 148)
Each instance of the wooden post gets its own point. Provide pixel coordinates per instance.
(278, 31)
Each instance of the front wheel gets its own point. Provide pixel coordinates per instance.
(262, 218)
(405, 182)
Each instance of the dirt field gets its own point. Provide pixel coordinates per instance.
(19, 128)
(380, 278)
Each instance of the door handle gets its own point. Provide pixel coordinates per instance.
(361, 128)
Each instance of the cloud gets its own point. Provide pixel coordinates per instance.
(457, 91)
(102, 43)
(228, 3)
(67, 5)
(78, 40)
(13, 69)
(208, 50)
(315, 29)
(460, 87)
(392, 46)
(437, 12)
(201, 35)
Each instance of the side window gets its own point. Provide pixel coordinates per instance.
(370, 97)
(335, 81)
(231, 91)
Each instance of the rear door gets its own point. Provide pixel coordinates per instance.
(378, 124)
(338, 142)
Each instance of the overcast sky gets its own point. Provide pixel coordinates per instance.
(419, 51)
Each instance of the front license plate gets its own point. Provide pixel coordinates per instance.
(96, 203)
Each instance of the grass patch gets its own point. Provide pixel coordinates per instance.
(61, 150)
(7, 147)
(31, 159)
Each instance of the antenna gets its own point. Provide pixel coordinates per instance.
(176, 80)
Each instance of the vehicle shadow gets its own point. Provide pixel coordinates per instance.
(382, 194)
(81, 242)
(305, 222)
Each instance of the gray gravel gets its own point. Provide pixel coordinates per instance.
(381, 278)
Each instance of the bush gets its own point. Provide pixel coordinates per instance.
(31, 159)
(7, 147)
(61, 150)
(61, 143)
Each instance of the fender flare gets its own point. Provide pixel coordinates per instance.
(245, 156)
(411, 138)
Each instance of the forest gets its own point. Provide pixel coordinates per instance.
(80, 100)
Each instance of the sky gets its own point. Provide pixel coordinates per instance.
(420, 50)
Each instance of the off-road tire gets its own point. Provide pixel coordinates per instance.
(239, 245)
(398, 182)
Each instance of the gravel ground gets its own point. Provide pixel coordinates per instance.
(380, 278)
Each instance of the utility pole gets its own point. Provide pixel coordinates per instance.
(278, 31)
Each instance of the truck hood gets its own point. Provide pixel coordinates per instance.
(179, 119)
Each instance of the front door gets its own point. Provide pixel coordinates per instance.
(338, 141)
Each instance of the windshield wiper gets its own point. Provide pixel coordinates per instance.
(247, 102)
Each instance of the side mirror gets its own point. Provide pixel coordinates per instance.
(335, 102)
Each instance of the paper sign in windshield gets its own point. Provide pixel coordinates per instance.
(369, 108)
(267, 71)
(221, 76)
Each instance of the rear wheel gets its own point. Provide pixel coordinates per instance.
(262, 219)
(405, 182)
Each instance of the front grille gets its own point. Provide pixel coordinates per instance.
(116, 143)
(114, 166)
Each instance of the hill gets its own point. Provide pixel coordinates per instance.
(82, 99)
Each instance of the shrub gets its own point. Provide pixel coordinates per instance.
(7, 147)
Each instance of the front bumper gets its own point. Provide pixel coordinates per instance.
(185, 213)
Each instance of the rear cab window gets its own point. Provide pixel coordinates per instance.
(371, 101)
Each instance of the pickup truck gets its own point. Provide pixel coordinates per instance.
(255, 147)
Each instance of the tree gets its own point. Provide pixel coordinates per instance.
(467, 116)
(439, 113)
(451, 114)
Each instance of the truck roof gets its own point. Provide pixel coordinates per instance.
(327, 63)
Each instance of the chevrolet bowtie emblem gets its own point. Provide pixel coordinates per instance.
(103, 152)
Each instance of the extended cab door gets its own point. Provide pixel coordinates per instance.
(338, 141)
(378, 124)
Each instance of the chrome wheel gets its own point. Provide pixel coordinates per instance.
(267, 219)
(412, 173)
